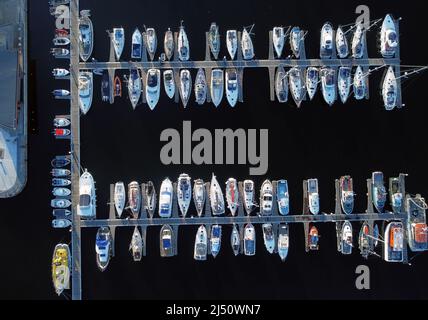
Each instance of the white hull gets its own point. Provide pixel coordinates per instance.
(216, 198)
(278, 39)
(232, 42)
(137, 44)
(247, 46)
(151, 42)
(168, 44)
(268, 237)
(165, 199)
(281, 85)
(200, 87)
(86, 83)
(326, 43)
(344, 82)
(184, 193)
(389, 90)
(134, 87)
(216, 86)
(199, 196)
(359, 84)
(87, 203)
(388, 37)
(118, 41)
(249, 240)
(119, 198)
(358, 41)
(201, 244)
(169, 83)
(312, 79)
(283, 241)
(296, 85)
(342, 45)
(295, 39)
(328, 85)
(153, 87)
(185, 86)
(232, 195)
(248, 196)
(231, 86)
(183, 45)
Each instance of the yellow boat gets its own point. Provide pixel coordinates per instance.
(61, 263)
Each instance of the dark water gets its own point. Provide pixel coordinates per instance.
(315, 141)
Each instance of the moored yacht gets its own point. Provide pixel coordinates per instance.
(364, 240)
(346, 238)
(61, 192)
(342, 46)
(394, 242)
(328, 85)
(214, 40)
(118, 38)
(134, 87)
(86, 84)
(313, 239)
(346, 194)
(268, 237)
(165, 199)
(266, 198)
(358, 41)
(296, 85)
(137, 44)
(396, 195)
(61, 122)
(216, 197)
(150, 198)
(61, 41)
(326, 43)
(295, 39)
(313, 196)
(86, 208)
(249, 196)
(184, 193)
(168, 44)
(61, 265)
(199, 196)
(117, 87)
(60, 203)
(232, 42)
(60, 52)
(216, 86)
(388, 37)
(153, 87)
(86, 35)
(232, 195)
(312, 79)
(215, 240)
(169, 83)
(389, 89)
(359, 83)
(119, 197)
(134, 198)
(60, 73)
(344, 81)
(249, 240)
(200, 87)
(278, 39)
(231, 85)
(136, 245)
(378, 191)
(201, 244)
(166, 241)
(281, 85)
(103, 247)
(151, 42)
(283, 241)
(247, 45)
(235, 240)
(185, 86)
(105, 87)
(183, 45)
(283, 197)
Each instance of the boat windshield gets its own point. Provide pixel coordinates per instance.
(312, 74)
(345, 72)
(152, 81)
(85, 200)
(216, 232)
(168, 76)
(313, 185)
(136, 49)
(248, 187)
(166, 242)
(329, 78)
(392, 37)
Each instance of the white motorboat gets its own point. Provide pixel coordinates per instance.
(231, 85)
(136, 245)
(165, 199)
(266, 198)
(137, 44)
(86, 35)
(61, 41)
(268, 237)
(134, 198)
(216, 86)
(249, 196)
(169, 83)
(249, 240)
(326, 43)
(60, 73)
(61, 192)
(86, 208)
(283, 241)
(153, 87)
(86, 86)
(282, 197)
(346, 238)
(215, 240)
(61, 122)
(60, 203)
(313, 196)
(232, 42)
(134, 87)
(312, 79)
(185, 86)
(295, 41)
(394, 242)
(184, 193)
(214, 40)
(235, 240)
(201, 244)
(103, 247)
(232, 195)
(344, 82)
(328, 85)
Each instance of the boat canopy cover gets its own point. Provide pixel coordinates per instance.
(166, 243)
